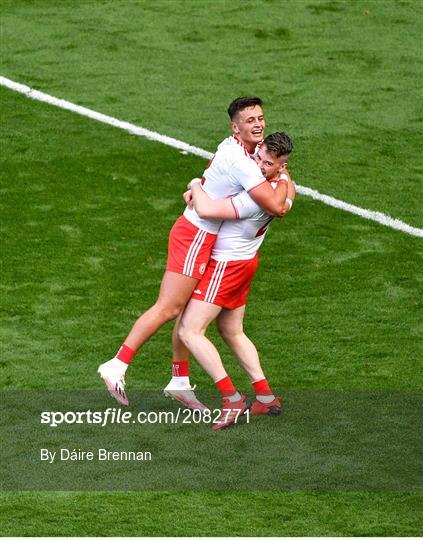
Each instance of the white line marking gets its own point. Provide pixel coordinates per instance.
(131, 128)
(383, 219)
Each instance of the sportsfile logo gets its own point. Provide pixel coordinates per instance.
(112, 416)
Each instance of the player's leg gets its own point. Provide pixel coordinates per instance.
(179, 387)
(189, 251)
(230, 326)
(192, 328)
(180, 360)
(175, 291)
(179, 349)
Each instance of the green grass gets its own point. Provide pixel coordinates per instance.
(327, 441)
(341, 75)
(217, 514)
(86, 210)
(90, 258)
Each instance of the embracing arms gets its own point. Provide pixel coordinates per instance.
(282, 198)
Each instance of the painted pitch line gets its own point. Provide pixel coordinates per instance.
(383, 219)
(371, 215)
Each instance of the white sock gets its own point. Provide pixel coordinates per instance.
(180, 382)
(234, 397)
(117, 364)
(265, 399)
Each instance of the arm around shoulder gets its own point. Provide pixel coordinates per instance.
(208, 208)
(270, 200)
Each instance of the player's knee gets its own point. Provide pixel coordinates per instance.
(174, 311)
(184, 333)
(229, 332)
(170, 311)
(188, 331)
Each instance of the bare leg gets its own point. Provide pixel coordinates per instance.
(175, 291)
(192, 328)
(179, 387)
(179, 350)
(194, 323)
(230, 326)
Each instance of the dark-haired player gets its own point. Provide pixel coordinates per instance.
(191, 240)
(222, 292)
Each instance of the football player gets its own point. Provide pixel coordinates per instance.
(223, 290)
(191, 240)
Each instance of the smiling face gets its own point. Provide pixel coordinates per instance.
(270, 165)
(248, 125)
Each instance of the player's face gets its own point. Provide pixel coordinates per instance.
(270, 165)
(249, 125)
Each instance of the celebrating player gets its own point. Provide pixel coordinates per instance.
(222, 292)
(191, 239)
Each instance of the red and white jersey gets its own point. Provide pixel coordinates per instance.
(240, 239)
(231, 170)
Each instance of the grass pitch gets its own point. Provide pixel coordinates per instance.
(86, 210)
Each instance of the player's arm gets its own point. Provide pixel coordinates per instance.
(271, 200)
(208, 208)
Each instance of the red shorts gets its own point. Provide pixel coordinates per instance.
(227, 284)
(189, 249)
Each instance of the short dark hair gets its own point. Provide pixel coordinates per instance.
(241, 103)
(278, 143)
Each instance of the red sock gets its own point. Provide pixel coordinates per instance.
(125, 354)
(180, 368)
(226, 387)
(262, 388)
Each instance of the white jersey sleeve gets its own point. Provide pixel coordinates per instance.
(247, 173)
(244, 206)
(230, 171)
(240, 239)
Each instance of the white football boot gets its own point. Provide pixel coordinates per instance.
(184, 393)
(113, 375)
